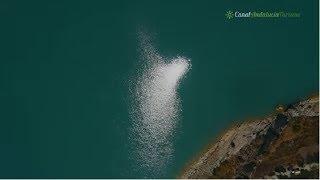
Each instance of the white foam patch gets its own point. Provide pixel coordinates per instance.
(155, 108)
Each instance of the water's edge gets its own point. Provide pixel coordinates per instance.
(200, 160)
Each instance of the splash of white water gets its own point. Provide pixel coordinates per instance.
(156, 107)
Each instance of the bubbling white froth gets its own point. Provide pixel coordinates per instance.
(156, 108)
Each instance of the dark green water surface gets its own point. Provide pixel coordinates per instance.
(64, 69)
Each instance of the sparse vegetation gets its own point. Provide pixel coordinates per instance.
(284, 143)
(305, 174)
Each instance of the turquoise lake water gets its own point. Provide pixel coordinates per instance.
(84, 95)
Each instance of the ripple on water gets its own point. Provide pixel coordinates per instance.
(155, 108)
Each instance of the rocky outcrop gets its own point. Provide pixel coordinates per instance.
(267, 147)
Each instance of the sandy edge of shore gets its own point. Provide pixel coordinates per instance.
(219, 149)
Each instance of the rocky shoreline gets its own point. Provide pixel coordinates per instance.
(278, 146)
